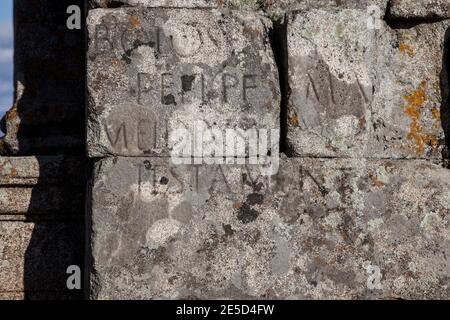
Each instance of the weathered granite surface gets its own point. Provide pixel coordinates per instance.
(317, 229)
(26, 250)
(331, 81)
(413, 9)
(410, 110)
(311, 231)
(42, 203)
(154, 71)
(365, 92)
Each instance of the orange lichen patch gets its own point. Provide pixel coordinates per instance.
(294, 120)
(134, 21)
(416, 100)
(375, 181)
(13, 172)
(405, 48)
(252, 32)
(238, 205)
(362, 123)
(436, 114)
(115, 62)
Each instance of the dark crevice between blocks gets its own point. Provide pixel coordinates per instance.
(445, 96)
(278, 40)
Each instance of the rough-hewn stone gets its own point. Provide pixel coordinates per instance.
(312, 231)
(410, 109)
(153, 71)
(408, 9)
(359, 91)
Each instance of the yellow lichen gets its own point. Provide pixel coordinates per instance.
(375, 181)
(416, 100)
(294, 120)
(405, 48)
(238, 205)
(134, 21)
(436, 114)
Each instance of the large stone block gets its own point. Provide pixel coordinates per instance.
(154, 71)
(410, 109)
(412, 9)
(317, 229)
(362, 89)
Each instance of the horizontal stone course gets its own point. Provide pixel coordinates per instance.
(30, 171)
(317, 229)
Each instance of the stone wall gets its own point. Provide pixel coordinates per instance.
(360, 189)
(349, 195)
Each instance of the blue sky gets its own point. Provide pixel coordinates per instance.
(6, 55)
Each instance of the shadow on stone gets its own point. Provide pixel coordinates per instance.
(445, 94)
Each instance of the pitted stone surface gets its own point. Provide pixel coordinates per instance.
(38, 186)
(410, 108)
(331, 77)
(420, 9)
(314, 230)
(359, 91)
(154, 71)
(30, 171)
